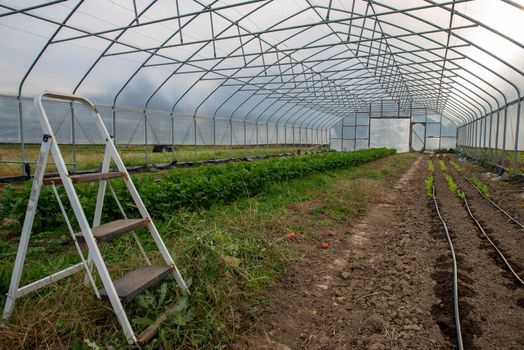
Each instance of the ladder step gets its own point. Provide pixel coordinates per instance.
(79, 178)
(137, 281)
(114, 229)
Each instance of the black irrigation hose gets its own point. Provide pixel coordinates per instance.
(491, 201)
(491, 242)
(460, 346)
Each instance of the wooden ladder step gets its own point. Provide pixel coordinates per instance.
(80, 178)
(114, 229)
(137, 281)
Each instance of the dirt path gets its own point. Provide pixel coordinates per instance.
(375, 289)
(491, 316)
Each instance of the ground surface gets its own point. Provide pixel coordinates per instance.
(387, 284)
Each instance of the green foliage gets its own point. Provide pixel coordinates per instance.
(228, 254)
(429, 186)
(199, 187)
(456, 166)
(480, 185)
(443, 166)
(453, 187)
(431, 166)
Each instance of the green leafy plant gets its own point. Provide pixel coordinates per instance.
(200, 187)
(431, 166)
(482, 187)
(453, 187)
(429, 186)
(456, 166)
(443, 166)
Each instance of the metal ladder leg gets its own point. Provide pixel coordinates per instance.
(28, 224)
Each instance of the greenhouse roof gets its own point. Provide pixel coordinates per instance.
(268, 60)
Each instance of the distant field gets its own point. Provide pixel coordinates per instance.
(90, 156)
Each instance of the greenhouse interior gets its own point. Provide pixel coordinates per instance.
(364, 158)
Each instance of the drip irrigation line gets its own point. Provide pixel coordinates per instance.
(491, 242)
(458, 329)
(491, 201)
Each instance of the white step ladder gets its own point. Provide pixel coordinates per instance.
(131, 284)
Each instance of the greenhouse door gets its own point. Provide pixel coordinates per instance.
(417, 141)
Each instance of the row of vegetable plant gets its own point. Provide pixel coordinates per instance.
(193, 188)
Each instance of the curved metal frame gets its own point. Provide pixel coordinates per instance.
(365, 63)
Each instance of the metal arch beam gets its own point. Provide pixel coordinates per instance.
(266, 31)
(462, 68)
(410, 33)
(151, 55)
(113, 42)
(259, 74)
(253, 77)
(424, 36)
(28, 72)
(235, 51)
(30, 8)
(194, 54)
(472, 44)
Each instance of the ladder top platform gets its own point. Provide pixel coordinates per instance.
(135, 282)
(80, 178)
(114, 229)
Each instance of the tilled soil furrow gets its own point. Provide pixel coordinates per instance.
(507, 236)
(511, 198)
(491, 318)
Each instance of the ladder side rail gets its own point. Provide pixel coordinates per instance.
(99, 204)
(80, 215)
(26, 229)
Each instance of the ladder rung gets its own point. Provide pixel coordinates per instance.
(137, 281)
(79, 178)
(114, 229)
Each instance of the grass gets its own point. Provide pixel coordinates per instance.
(90, 156)
(228, 253)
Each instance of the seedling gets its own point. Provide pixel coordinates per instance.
(431, 166)
(429, 186)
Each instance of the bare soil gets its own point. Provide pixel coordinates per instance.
(385, 280)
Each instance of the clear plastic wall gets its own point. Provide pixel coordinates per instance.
(386, 125)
